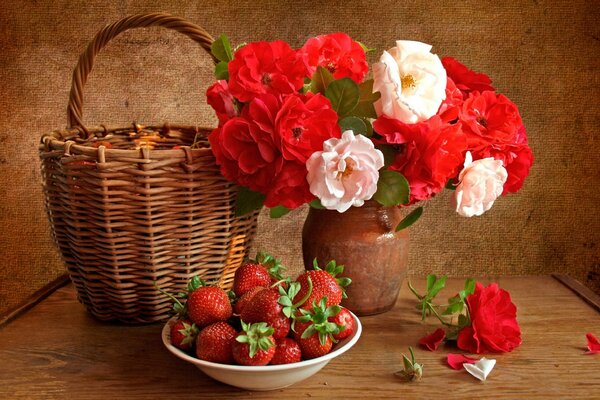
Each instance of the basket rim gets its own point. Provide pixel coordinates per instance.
(60, 139)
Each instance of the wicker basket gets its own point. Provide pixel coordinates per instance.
(131, 206)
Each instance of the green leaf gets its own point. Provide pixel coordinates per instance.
(221, 48)
(431, 279)
(392, 189)
(221, 71)
(463, 320)
(389, 154)
(248, 201)
(453, 308)
(279, 211)
(365, 107)
(369, 126)
(365, 48)
(344, 95)
(316, 203)
(354, 124)
(320, 80)
(410, 219)
(450, 184)
(437, 286)
(469, 287)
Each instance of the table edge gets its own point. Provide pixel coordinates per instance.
(585, 293)
(35, 298)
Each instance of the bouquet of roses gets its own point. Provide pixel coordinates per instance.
(303, 126)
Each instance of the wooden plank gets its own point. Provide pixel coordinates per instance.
(34, 299)
(582, 291)
(57, 350)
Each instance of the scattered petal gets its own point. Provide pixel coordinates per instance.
(481, 369)
(432, 341)
(593, 344)
(456, 361)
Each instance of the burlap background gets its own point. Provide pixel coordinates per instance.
(542, 54)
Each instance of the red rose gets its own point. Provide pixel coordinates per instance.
(489, 118)
(246, 154)
(221, 100)
(265, 67)
(448, 110)
(494, 327)
(494, 128)
(466, 80)
(290, 188)
(431, 154)
(337, 52)
(303, 123)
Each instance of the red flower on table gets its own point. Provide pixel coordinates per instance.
(466, 80)
(265, 67)
(432, 153)
(303, 123)
(432, 341)
(494, 327)
(593, 344)
(338, 53)
(456, 361)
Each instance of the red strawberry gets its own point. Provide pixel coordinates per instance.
(215, 343)
(183, 334)
(324, 284)
(313, 347)
(314, 331)
(243, 301)
(254, 345)
(287, 352)
(208, 304)
(259, 272)
(281, 325)
(345, 320)
(263, 307)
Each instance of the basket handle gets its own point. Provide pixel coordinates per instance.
(86, 60)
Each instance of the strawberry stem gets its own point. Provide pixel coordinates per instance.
(308, 293)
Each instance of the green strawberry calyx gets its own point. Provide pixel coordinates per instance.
(334, 269)
(286, 298)
(189, 333)
(272, 264)
(256, 336)
(319, 321)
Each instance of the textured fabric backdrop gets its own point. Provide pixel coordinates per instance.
(541, 54)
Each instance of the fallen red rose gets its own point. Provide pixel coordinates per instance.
(456, 361)
(494, 327)
(432, 341)
(593, 344)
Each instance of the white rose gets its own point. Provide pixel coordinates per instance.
(345, 173)
(480, 184)
(411, 80)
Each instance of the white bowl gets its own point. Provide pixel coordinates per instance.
(268, 377)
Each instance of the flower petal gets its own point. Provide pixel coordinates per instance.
(593, 344)
(432, 341)
(456, 361)
(481, 369)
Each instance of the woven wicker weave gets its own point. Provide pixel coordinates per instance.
(131, 206)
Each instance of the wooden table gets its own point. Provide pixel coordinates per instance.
(57, 350)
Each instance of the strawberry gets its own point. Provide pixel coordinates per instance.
(345, 320)
(259, 272)
(183, 334)
(287, 352)
(314, 331)
(254, 345)
(215, 343)
(324, 284)
(208, 304)
(243, 301)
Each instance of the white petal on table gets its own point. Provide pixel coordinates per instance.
(481, 369)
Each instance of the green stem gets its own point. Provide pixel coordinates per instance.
(167, 294)
(433, 310)
(308, 293)
(412, 289)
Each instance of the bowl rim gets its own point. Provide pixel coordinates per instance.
(346, 344)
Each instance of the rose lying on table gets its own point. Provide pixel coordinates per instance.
(486, 317)
(272, 321)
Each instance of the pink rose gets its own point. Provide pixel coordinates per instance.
(480, 184)
(345, 173)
